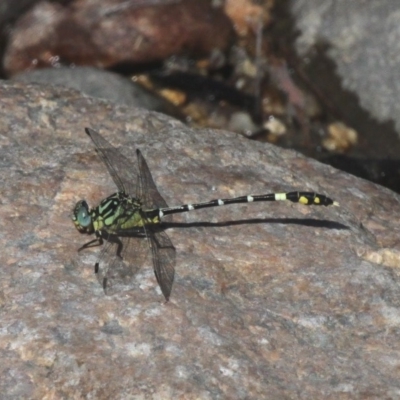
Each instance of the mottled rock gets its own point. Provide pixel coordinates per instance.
(102, 84)
(117, 32)
(270, 300)
(362, 40)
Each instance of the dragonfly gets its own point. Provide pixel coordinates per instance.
(129, 222)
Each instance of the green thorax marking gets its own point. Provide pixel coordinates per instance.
(120, 212)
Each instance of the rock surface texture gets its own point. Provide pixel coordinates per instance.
(362, 38)
(270, 300)
(99, 83)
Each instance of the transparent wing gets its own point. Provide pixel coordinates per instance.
(119, 261)
(163, 253)
(162, 249)
(123, 171)
(147, 189)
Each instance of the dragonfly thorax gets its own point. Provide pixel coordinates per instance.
(115, 213)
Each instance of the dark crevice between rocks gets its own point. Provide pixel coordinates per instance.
(375, 156)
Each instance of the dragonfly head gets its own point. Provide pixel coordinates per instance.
(82, 218)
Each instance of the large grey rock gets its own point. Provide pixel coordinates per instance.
(362, 38)
(270, 300)
(99, 83)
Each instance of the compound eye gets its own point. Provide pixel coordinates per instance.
(81, 214)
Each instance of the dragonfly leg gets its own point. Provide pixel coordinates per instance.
(114, 239)
(93, 243)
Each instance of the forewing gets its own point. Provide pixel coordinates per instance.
(122, 170)
(147, 189)
(163, 253)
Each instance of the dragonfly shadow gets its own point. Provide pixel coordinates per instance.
(314, 223)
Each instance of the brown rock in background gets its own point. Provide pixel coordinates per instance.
(115, 32)
(270, 300)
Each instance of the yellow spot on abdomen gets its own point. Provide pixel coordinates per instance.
(303, 200)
